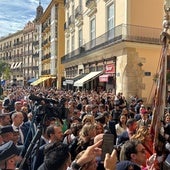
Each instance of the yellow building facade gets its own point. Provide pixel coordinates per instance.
(51, 48)
(122, 35)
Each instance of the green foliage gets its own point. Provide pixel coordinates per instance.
(7, 73)
(4, 70)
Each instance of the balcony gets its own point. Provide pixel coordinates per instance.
(71, 23)
(47, 56)
(92, 7)
(78, 16)
(35, 43)
(90, 3)
(19, 43)
(45, 72)
(36, 55)
(35, 68)
(78, 12)
(71, 20)
(119, 34)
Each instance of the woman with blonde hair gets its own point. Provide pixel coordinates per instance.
(143, 134)
(88, 119)
(86, 136)
(85, 139)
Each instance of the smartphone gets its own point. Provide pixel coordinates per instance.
(107, 145)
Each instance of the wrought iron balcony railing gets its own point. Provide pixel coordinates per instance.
(120, 33)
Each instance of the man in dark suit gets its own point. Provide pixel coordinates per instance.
(144, 121)
(10, 102)
(19, 125)
(55, 135)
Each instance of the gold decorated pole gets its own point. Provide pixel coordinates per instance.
(160, 95)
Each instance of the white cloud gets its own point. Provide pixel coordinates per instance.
(15, 14)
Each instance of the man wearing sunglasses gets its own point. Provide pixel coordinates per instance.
(133, 155)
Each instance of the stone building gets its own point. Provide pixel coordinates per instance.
(119, 36)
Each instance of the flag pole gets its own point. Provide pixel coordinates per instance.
(160, 95)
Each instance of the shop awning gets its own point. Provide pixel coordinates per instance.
(40, 80)
(104, 78)
(88, 77)
(19, 65)
(31, 80)
(12, 65)
(15, 65)
(71, 81)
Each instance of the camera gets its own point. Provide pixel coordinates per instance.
(44, 107)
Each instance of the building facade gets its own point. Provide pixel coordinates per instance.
(21, 51)
(51, 45)
(11, 51)
(116, 36)
(30, 53)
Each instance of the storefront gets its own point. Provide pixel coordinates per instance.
(108, 78)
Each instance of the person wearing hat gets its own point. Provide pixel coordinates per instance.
(9, 156)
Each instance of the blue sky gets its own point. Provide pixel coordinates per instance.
(14, 14)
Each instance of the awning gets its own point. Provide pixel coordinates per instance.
(19, 64)
(12, 65)
(15, 65)
(88, 77)
(71, 81)
(31, 80)
(40, 80)
(104, 78)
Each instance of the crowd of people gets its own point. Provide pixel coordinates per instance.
(50, 129)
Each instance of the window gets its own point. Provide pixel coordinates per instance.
(80, 38)
(73, 10)
(68, 45)
(92, 32)
(80, 4)
(110, 21)
(72, 43)
(67, 16)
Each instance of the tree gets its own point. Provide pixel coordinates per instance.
(4, 71)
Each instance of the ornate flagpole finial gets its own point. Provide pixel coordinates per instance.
(166, 21)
